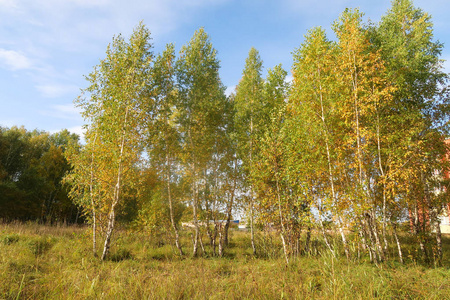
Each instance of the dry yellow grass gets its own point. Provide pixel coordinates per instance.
(41, 262)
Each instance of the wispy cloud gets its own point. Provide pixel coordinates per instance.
(46, 32)
(11, 122)
(14, 60)
(8, 4)
(446, 63)
(289, 78)
(64, 111)
(74, 129)
(56, 90)
(78, 130)
(230, 90)
(67, 109)
(90, 3)
(78, 24)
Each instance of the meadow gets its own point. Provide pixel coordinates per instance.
(56, 262)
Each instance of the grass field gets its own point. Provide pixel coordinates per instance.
(43, 262)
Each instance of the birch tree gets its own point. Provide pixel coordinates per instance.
(272, 182)
(406, 43)
(162, 136)
(361, 89)
(314, 121)
(249, 106)
(201, 104)
(112, 107)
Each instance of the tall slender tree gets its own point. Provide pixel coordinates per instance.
(249, 106)
(200, 113)
(271, 177)
(314, 121)
(405, 40)
(162, 136)
(362, 88)
(112, 108)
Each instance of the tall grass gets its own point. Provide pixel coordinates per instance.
(41, 262)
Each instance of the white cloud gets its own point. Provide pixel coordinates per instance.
(289, 78)
(89, 2)
(67, 112)
(8, 4)
(446, 63)
(309, 6)
(14, 60)
(63, 111)
(62, 19)
(11, 122)
(75, 129)
(230, 90)
(56, 90)
(78, 130)
(67, 109)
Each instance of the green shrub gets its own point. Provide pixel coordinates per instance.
(10, 239)
(120, 254)
(40, 245)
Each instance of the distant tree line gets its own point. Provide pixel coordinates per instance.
(32, 166)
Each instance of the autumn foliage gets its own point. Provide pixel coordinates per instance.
(351, 147)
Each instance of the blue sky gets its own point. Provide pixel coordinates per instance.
(47, 46)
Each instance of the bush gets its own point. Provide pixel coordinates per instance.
(10, 239)
(40, 245)
(120, 254)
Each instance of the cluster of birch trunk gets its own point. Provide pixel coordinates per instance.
(353, 146)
